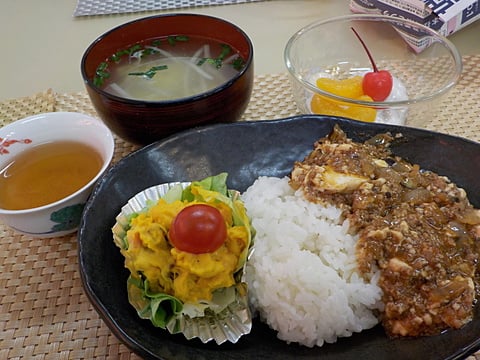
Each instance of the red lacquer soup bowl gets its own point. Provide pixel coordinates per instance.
(158, 75)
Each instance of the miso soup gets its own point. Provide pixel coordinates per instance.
(47, 173)
(169, 68)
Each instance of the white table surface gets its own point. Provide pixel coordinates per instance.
(42, 42)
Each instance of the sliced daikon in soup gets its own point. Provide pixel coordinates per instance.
(166, 69)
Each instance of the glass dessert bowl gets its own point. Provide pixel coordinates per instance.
(329, 61)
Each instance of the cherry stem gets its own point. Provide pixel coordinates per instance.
(375, 69)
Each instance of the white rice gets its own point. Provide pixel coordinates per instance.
(302, 276)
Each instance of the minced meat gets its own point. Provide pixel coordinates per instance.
(415, 226)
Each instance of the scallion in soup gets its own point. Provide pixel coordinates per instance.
(168, 68)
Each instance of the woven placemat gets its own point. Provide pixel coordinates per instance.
(44, 312)
(106, 7)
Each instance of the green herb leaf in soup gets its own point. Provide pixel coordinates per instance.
(168, 68)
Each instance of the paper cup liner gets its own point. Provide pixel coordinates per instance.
(228, 325)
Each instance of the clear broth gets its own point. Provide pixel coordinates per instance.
(172, 70)
(46, 173)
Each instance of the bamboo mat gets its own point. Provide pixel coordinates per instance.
(44, 312)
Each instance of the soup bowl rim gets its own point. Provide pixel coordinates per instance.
(171, 102)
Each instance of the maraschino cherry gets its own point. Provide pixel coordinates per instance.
(377, 83)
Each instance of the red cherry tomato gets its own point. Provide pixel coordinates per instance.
(198, 229)
(377, 84)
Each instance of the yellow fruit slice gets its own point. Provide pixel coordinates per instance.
(324, 106)
(363, 113)
(350, 88)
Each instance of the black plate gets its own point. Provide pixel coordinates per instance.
(247, 150)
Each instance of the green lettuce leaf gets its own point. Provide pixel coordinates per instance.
(217, 183)
(173, 194)
(158, 307)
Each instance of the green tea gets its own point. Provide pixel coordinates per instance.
(47, 173)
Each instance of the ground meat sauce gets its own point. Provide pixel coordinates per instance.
(414, 226)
